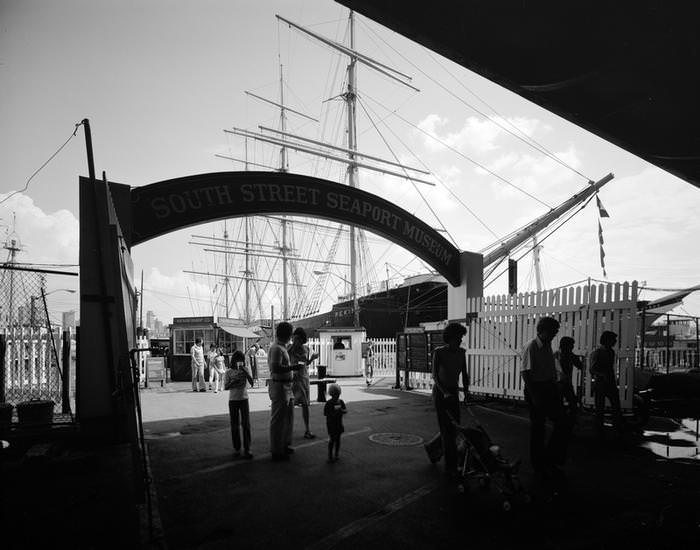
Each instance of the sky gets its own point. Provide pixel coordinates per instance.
(160, 80)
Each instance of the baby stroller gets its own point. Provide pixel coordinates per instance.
(480, 460)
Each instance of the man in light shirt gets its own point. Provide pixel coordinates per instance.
(542, 395)
(197, 354)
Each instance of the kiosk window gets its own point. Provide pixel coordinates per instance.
(342, 342)
(184, 339)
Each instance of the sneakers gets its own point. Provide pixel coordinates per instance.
(247, 455)
(289, 451)
(309, 435)
(203, 389)
(216, 391)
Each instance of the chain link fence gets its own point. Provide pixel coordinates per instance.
(37, 352)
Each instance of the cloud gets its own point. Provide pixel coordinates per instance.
(177, 295)
(477, 135)
(44, 237)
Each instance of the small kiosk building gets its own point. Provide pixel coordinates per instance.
(342, 347)
(228, 334)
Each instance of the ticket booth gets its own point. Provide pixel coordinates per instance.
(343, 350)
(227, 334)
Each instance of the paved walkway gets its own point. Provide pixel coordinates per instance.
(390, 496)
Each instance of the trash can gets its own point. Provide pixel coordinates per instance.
(35, 413)
(321, 371)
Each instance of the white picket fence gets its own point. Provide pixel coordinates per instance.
(383, 358)
(502, 325)
(30, 370)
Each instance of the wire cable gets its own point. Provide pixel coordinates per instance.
(26, 185)
(526, 139)
(458, 152)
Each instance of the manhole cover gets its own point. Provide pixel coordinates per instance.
(162, 435)
(396, 439)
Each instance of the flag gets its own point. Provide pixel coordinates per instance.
(601, 209)
(602, 252)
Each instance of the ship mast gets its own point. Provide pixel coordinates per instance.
(286, 141)
(350, 99)
(284, 249)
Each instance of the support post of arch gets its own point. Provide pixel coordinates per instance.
(471, 285)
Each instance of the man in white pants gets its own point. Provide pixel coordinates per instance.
(197, 353)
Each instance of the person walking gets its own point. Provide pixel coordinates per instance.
(449, 361)
(566, 360)
(253, 360)
(542, 396)
(218, 365)
(333, 410)
(213, 373)
(280, 392)
(235, 380)
(602, 369)
(197, 364)
(369, 363)
(301, 385)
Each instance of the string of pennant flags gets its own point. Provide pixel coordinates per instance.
(602, 213)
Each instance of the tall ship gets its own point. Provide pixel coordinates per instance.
(263, 269)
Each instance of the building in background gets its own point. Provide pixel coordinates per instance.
(68, 319)
(150, 320)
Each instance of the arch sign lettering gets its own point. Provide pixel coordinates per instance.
(166, 206)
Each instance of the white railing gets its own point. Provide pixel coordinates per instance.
(30, 370)
(384, 355)
(671, 359)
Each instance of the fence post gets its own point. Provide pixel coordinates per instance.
(668, 341)
(2, 368)
(65, 382)
(77, 372)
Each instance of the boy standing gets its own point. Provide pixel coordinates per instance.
(333, 410)
(567, 360)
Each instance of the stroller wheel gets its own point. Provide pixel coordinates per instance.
(506, 506)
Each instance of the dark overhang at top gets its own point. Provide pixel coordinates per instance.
(626, 71)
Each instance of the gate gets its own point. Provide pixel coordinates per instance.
(500, 326)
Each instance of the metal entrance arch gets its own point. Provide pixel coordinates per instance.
(114, 217)
(163, 207)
